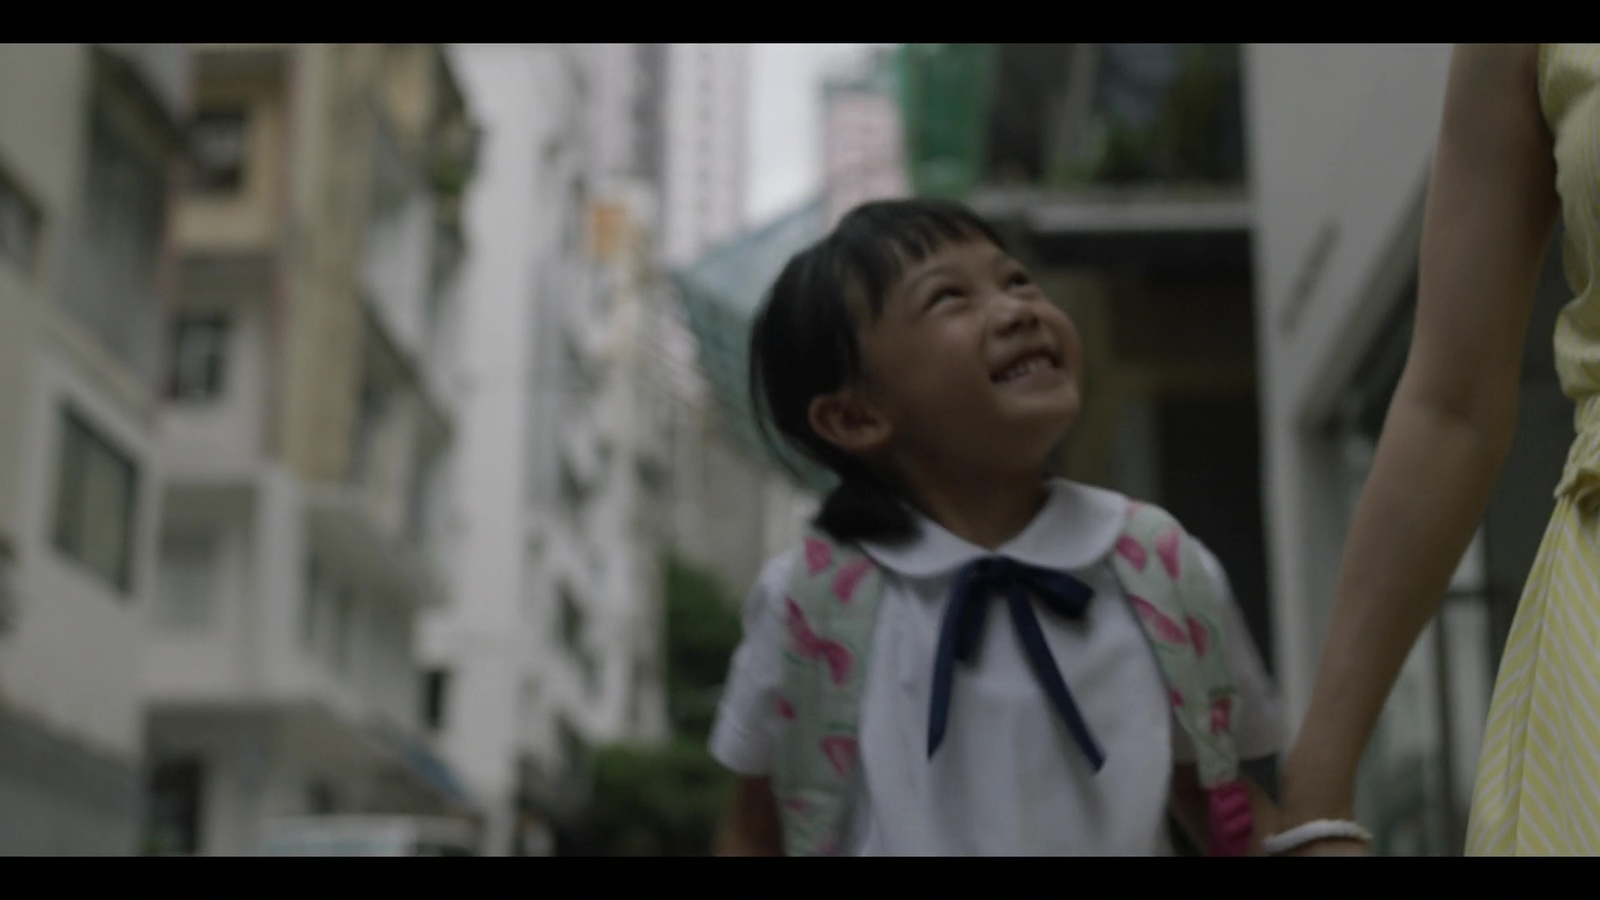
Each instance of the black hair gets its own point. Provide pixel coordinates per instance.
(805, 343)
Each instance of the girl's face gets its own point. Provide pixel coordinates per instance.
(970, 365)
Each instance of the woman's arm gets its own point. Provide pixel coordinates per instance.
(1490, 209)
(751, 827)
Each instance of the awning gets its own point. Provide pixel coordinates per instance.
(1154, 230)
(341, 522)
(423, 764)
(720, 294)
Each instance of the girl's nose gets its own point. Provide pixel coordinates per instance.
(1012, 313)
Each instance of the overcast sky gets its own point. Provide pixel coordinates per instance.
(784, 122)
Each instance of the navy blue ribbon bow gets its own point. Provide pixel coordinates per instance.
(959, 636)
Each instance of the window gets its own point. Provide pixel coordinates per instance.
(187, 574)
(110, 283)
(574, 749)
(199, 357)
(173, 823)
(321, 800)
(423, 492)
(435, 691)
(219, 150)
(369, 417)
(95, 503)
(572, 623)
(571, 620)
(343, 615)
(19, 225)
(312, 605)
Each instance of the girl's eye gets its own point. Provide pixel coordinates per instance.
(1019, 279)
(943, 294)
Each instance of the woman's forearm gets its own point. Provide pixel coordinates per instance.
(1490, 208)
(1427, 492)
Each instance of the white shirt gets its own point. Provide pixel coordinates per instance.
(1008, 780)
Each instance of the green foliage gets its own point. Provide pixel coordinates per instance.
(666, 800)
(657, 801)
(1189, 142)
(702, 631)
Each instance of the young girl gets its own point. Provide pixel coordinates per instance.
(912, 355)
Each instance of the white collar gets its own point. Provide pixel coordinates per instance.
(1078, 527)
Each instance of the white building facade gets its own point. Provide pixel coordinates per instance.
(554, 644)
(705, 118)
(307, 439)
(89, 135)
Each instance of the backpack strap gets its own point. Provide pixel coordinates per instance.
(829, 616)
(1159, 566)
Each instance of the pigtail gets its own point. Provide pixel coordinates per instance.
(862, 508)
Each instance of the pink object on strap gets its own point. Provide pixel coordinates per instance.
(1230, 821)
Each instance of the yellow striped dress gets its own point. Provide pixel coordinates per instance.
(1538, 787)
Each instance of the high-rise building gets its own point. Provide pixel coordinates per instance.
(863, 156)
(307, 442)
(705, 147)
(90, 135)
(555, 645)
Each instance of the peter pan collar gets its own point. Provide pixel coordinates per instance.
(1077, 527)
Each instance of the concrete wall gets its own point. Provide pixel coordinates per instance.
(1341, 138)
(39, 149)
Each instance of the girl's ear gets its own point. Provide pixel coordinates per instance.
(847, 420)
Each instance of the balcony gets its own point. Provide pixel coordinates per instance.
(341, 521)
(1063, 117)
(720, 293)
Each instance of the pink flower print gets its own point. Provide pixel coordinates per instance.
(1177, 698)
(809, 645)
(818, 555)
(1167, 549)
(844, 586)
(829, 847)
(1165, 629)
(785, 708)
(1132, 551)
(796, 805)
(1198, 634)
(841, 752)
(1221, 715)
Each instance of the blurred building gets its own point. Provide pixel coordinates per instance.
(555, 644)
(307, 439)
(705, 116)
(729, 509)
(90, 135)
(863, 153)
(1341, 145)
(1117, 173)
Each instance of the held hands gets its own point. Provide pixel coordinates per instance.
(1330, 847)
(1317, 815)
(1318, 837)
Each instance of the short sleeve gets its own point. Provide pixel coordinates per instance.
(744, 733)
(1258, 724)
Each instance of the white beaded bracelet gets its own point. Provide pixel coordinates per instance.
(1310, 832)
